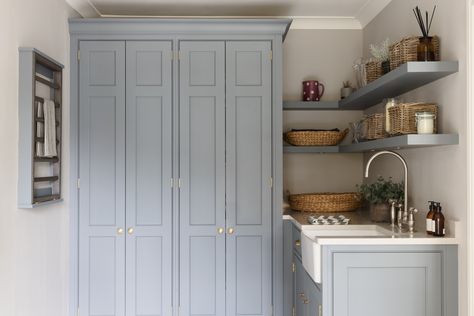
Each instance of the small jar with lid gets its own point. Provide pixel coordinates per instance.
(425, 122)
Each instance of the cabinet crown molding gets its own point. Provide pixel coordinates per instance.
(192, 26)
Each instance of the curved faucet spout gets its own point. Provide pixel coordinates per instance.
(405, 167)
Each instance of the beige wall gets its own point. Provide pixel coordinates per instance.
(327, 56)
(33, 243)
(438, 173)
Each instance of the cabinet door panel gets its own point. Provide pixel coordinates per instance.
(248, 176)
(366, 283)
(149, 170)
(202, 174)
(102, 173)
(299, 290)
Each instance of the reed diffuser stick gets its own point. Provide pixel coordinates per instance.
(424, 22)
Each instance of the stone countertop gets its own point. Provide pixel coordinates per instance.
(360, 219)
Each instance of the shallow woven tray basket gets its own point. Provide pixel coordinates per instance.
(315, 138)
(325, 202)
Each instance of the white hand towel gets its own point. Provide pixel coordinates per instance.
(49, 112)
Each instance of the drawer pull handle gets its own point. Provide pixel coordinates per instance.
(298, 243)
(306, 302)
(301, 295)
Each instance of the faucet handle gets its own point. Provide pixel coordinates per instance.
(412, 210)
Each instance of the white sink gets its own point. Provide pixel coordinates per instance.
(313, 238)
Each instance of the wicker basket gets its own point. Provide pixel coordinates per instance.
(325, 202)
(405, 50)
(373, 70)
(315, 138)
(376, 126)
(403, 117)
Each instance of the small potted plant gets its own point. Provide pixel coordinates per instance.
(346, 89)
(378, 194)
(381, 53)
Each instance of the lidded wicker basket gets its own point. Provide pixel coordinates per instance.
(315, 138)
(403, 117)
(325, 202)
(405, 50)
(376, 126)
(373, 70)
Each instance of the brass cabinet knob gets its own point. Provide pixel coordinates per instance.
(305, 302)
(301, 295)
(130, 230)
(220, 230)
(119, 231)
(298, 243)
(230, 231)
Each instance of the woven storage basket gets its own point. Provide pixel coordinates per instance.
(405, 50)
(376, 126)
(315, 138)
(403, 118)
(373, 70)
(325, 202)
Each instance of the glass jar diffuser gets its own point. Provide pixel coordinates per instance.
(425, 49)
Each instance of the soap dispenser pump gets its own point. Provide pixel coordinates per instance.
(438, 221)
(429, 219)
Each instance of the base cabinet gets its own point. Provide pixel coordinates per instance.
(369, 280)
(373, 280)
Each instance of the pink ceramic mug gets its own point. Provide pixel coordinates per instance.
(313, 90)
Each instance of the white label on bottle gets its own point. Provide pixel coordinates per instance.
(444, 231)
(429, 225)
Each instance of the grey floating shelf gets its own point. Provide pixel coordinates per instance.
(405, 78)
(391, 143)
(310, 105)
(310, 149)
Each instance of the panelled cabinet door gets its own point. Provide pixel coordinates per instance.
(299, 290)
(248, 178)
(102, 173)
(364, 284)
(313, 297)
(149, 170)
(202, 174)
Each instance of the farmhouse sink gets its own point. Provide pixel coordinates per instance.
(313, 239)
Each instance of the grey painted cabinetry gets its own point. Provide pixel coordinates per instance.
(125, 253)
(373, 280)
(176, 160)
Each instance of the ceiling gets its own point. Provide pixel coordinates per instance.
(311, 14)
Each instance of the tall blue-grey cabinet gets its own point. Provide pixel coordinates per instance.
(176, 166)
